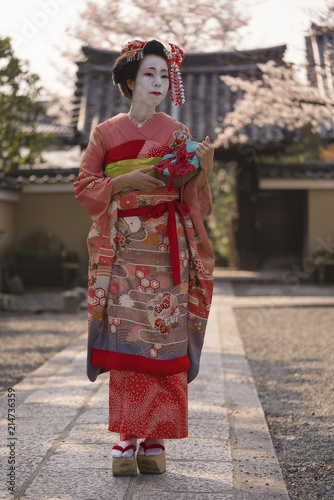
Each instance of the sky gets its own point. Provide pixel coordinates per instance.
(38, 30)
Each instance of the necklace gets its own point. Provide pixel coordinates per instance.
(136, 122)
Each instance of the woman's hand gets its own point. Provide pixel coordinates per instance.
(205, 153)
(138, 179)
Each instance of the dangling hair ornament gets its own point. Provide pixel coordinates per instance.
(175, 56)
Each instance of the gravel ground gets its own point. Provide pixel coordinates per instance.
(29, 340)
(291, 355)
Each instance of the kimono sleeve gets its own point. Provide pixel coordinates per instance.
(205, 201)
(92, 189)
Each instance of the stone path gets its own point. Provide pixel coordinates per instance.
(61, 445)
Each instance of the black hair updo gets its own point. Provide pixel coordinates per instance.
(124, 70)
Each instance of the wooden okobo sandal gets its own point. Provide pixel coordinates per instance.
(124, 466)
(154, 464)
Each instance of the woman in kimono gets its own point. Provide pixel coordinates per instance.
(150, 261)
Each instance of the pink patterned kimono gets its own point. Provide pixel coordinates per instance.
(145, 326)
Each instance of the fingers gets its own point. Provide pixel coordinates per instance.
(206, 144)
(150, 186)
(152, 180)
(149, 178)
(204, 147)
(147, 169)
(158, 182)
(148, 181)
(141, 180)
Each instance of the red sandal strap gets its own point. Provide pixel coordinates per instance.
(120, 448)
(151, 446)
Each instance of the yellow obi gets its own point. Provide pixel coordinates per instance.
(121, 167)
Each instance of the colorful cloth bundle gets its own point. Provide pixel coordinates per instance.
(176, 169)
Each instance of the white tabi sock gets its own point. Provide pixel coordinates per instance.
(124, 444)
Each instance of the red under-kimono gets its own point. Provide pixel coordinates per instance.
(145, 326)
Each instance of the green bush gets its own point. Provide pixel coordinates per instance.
(41, 261)
(222, 184)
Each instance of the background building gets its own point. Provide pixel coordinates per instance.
(320, 58)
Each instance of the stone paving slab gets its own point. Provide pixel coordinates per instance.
(168, 495)
(265, 301)
(63, 446)
(77, 484)
(39, 377)
(189, 476)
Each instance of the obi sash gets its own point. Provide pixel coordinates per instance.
(132, 155)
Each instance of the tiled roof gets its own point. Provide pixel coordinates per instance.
(61, 167)
(40, 176)
(310, 170)
(54, 129)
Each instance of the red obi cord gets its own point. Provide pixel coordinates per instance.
(157, 211)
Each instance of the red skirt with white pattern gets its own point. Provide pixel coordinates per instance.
(145, 405)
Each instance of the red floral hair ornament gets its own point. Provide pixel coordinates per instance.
(134, 48)
(175, 56)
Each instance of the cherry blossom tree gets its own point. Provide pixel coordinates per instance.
(274, 109)
(197, 25)
(324, 15)
(277, 117)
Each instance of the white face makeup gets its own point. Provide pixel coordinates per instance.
(152, 82)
